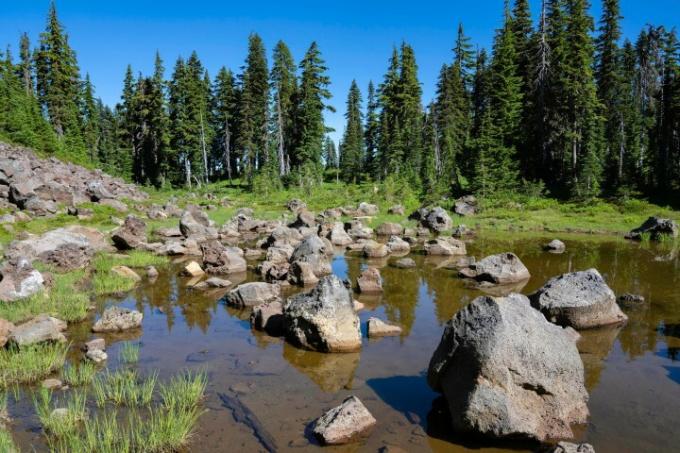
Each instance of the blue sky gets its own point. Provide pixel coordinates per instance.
(355, 37)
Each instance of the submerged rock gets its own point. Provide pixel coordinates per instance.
(323, 319)
(578, 299)
(500, 269)
(126, 272)
(379, 328)
(555, 246)
(655, 227)
(345, 423)
(193, 269)
(405, 263)
(116, 319)
(252, 294)
(506, 372)
(630, 300)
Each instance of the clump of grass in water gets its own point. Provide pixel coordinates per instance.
(129, 353)
(30, 363)
(60, 424)
(80, 375)
(184, 391)
(106, 282)
(6, 442)
(124, 388)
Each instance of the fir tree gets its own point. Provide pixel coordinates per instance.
(26, 64)
(372, 129)
(224, 121)
(90, 117)
(284, 90)
(352, 149)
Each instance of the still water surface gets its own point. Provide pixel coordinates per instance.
(263, 393)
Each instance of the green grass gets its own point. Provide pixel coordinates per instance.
(169, 429)
(79, 375)
(30, 363)
(6, 442)
(65, 300)
(60, 425)
(124, 388)
(184, 391)
(106, 282)
(129, 353)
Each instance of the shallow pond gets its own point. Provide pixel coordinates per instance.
(263, 393)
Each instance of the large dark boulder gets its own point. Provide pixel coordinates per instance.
(655, 227)
(131, 235)
(314, 251)
(506, 372)
(218, 259)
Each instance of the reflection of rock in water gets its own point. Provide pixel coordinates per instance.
(331, 372)
(499, 290)
(594, 346)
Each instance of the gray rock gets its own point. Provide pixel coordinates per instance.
(131, 235)
(252, 294)
(314, 251)
(370, 281)
(268, 317)
(116, 319)
(570, 447)
(396, 210)
(578, 299)
(398, 245)
(151, 272)
(437, 219)
(555, 246)
(367, 209)
(38, 330)
(296, 205)
(443, 246)
(195, 223)
(301, 273)
(389, 229)
(338, 235)
(405, 263)
(630, 300)
(51, 384)
(373, 249)
(95, 343)
(655, 227)
(19, 280)
(357, 230)
(213, 283)
(96, 355)
(115, 204)
(500, 269)
(218, 259)
(379, 328)
(508, 373)
(345, 423)
(466, 206)
(323, 319)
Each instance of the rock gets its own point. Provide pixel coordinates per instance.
(357, 230)
(508, 373)
(151, 273)
(95, 344)
(38, 330)
(367, 209)
(40, 208)
(462, 231)
(396, 210)
(500, 269)
(302, 274)
(373, 249)
(389, 229)
(305, 219)
(97, 191)
(398, 245)
(570, 447)
(655, 227)
(115, 204)
(323, 319)
(96, 355)
(195, 223)
(460, 262)
(555, 246)
(630, 300)
(156, 213)
(358, 306)
(338, 235)
(284, 236)
(314, 251)
(173, 232)
(296, 205)
(7, 219)
(379, 328)
(116, 319)
(443, 246)
(51, 384)
(19, 280)
(438, 220)
(126, 272)
(465, 206)
(213, 282)
(370, 281)
(405, 263)
(253, 294)
(345, 423)
(131, 235)
(268, 317)
(6, 329)
(578, 299)
(68, 257)
(219, 259)
(193, 269)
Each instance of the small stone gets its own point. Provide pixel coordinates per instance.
(405, 263)
(379, 328)
(213, 282)
(126, 272)
(52, 384)
(193, 269)
(358, 306)
(555, 246)
(345, 423)
(116, 319)
(630, 300)
(94, 344)
(570, 447)
(151, 273)
(96, 355)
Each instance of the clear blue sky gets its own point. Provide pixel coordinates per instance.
(355, 37)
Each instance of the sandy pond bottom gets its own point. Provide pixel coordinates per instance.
(263, 393)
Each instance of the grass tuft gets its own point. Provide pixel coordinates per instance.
(77, 376)
(57, 424)
(124, 388)
(30, 363)
(184, 391)
(129, 353)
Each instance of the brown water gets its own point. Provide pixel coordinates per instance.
(632, 373)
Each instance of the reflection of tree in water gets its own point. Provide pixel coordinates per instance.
(331, 372)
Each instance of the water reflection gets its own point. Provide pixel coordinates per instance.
(331, 372)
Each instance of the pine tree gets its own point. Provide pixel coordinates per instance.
(353, 147)
(387, 158)
(313, 95)
(26, 64)
(372, 129)
(90, 117)
(224, 121)
(252, 140)
(464, 56)
(410, 113)
(330, 153)
(284, 91)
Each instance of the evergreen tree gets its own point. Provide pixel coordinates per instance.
(410, 113)
(284, 91)
(464, 56)
(26, 64)
(90, 116)
(387, 158)
(313, 95)
(224, 121)
(372, 129)
(352, 148)
(330, 153)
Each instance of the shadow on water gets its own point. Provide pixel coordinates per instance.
(411, 403)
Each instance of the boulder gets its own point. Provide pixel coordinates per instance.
(219, 259)
(6, 329)
(268, 317)
(508, 373)
(193, 269)
(296, 205)
(323, 319)
(405, 263)
(348, 422)
(655, 227)
(301, 273)
(357, 230)
(461, 231)
(389, 229)
(500, 269)
(314, 251)
(465, 206)
(283, 236)
(437, 219)
(367, 209)
(38, 330)
(39, 207)
(555, 246)
(117, 319)
(131, 235)
(195, 223)
(338, 235)
(96, 355)
(304, 219)
(19, 280)
(379, 328)
(443, 246)
(370, 281)
(398, 245)
(68, 257)
(578, 299)
(95, 344)
(126, 272)
(213, 283)
(373, 249)
(115, 204)
(97, 191)
(252, 294)
(630, 300)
